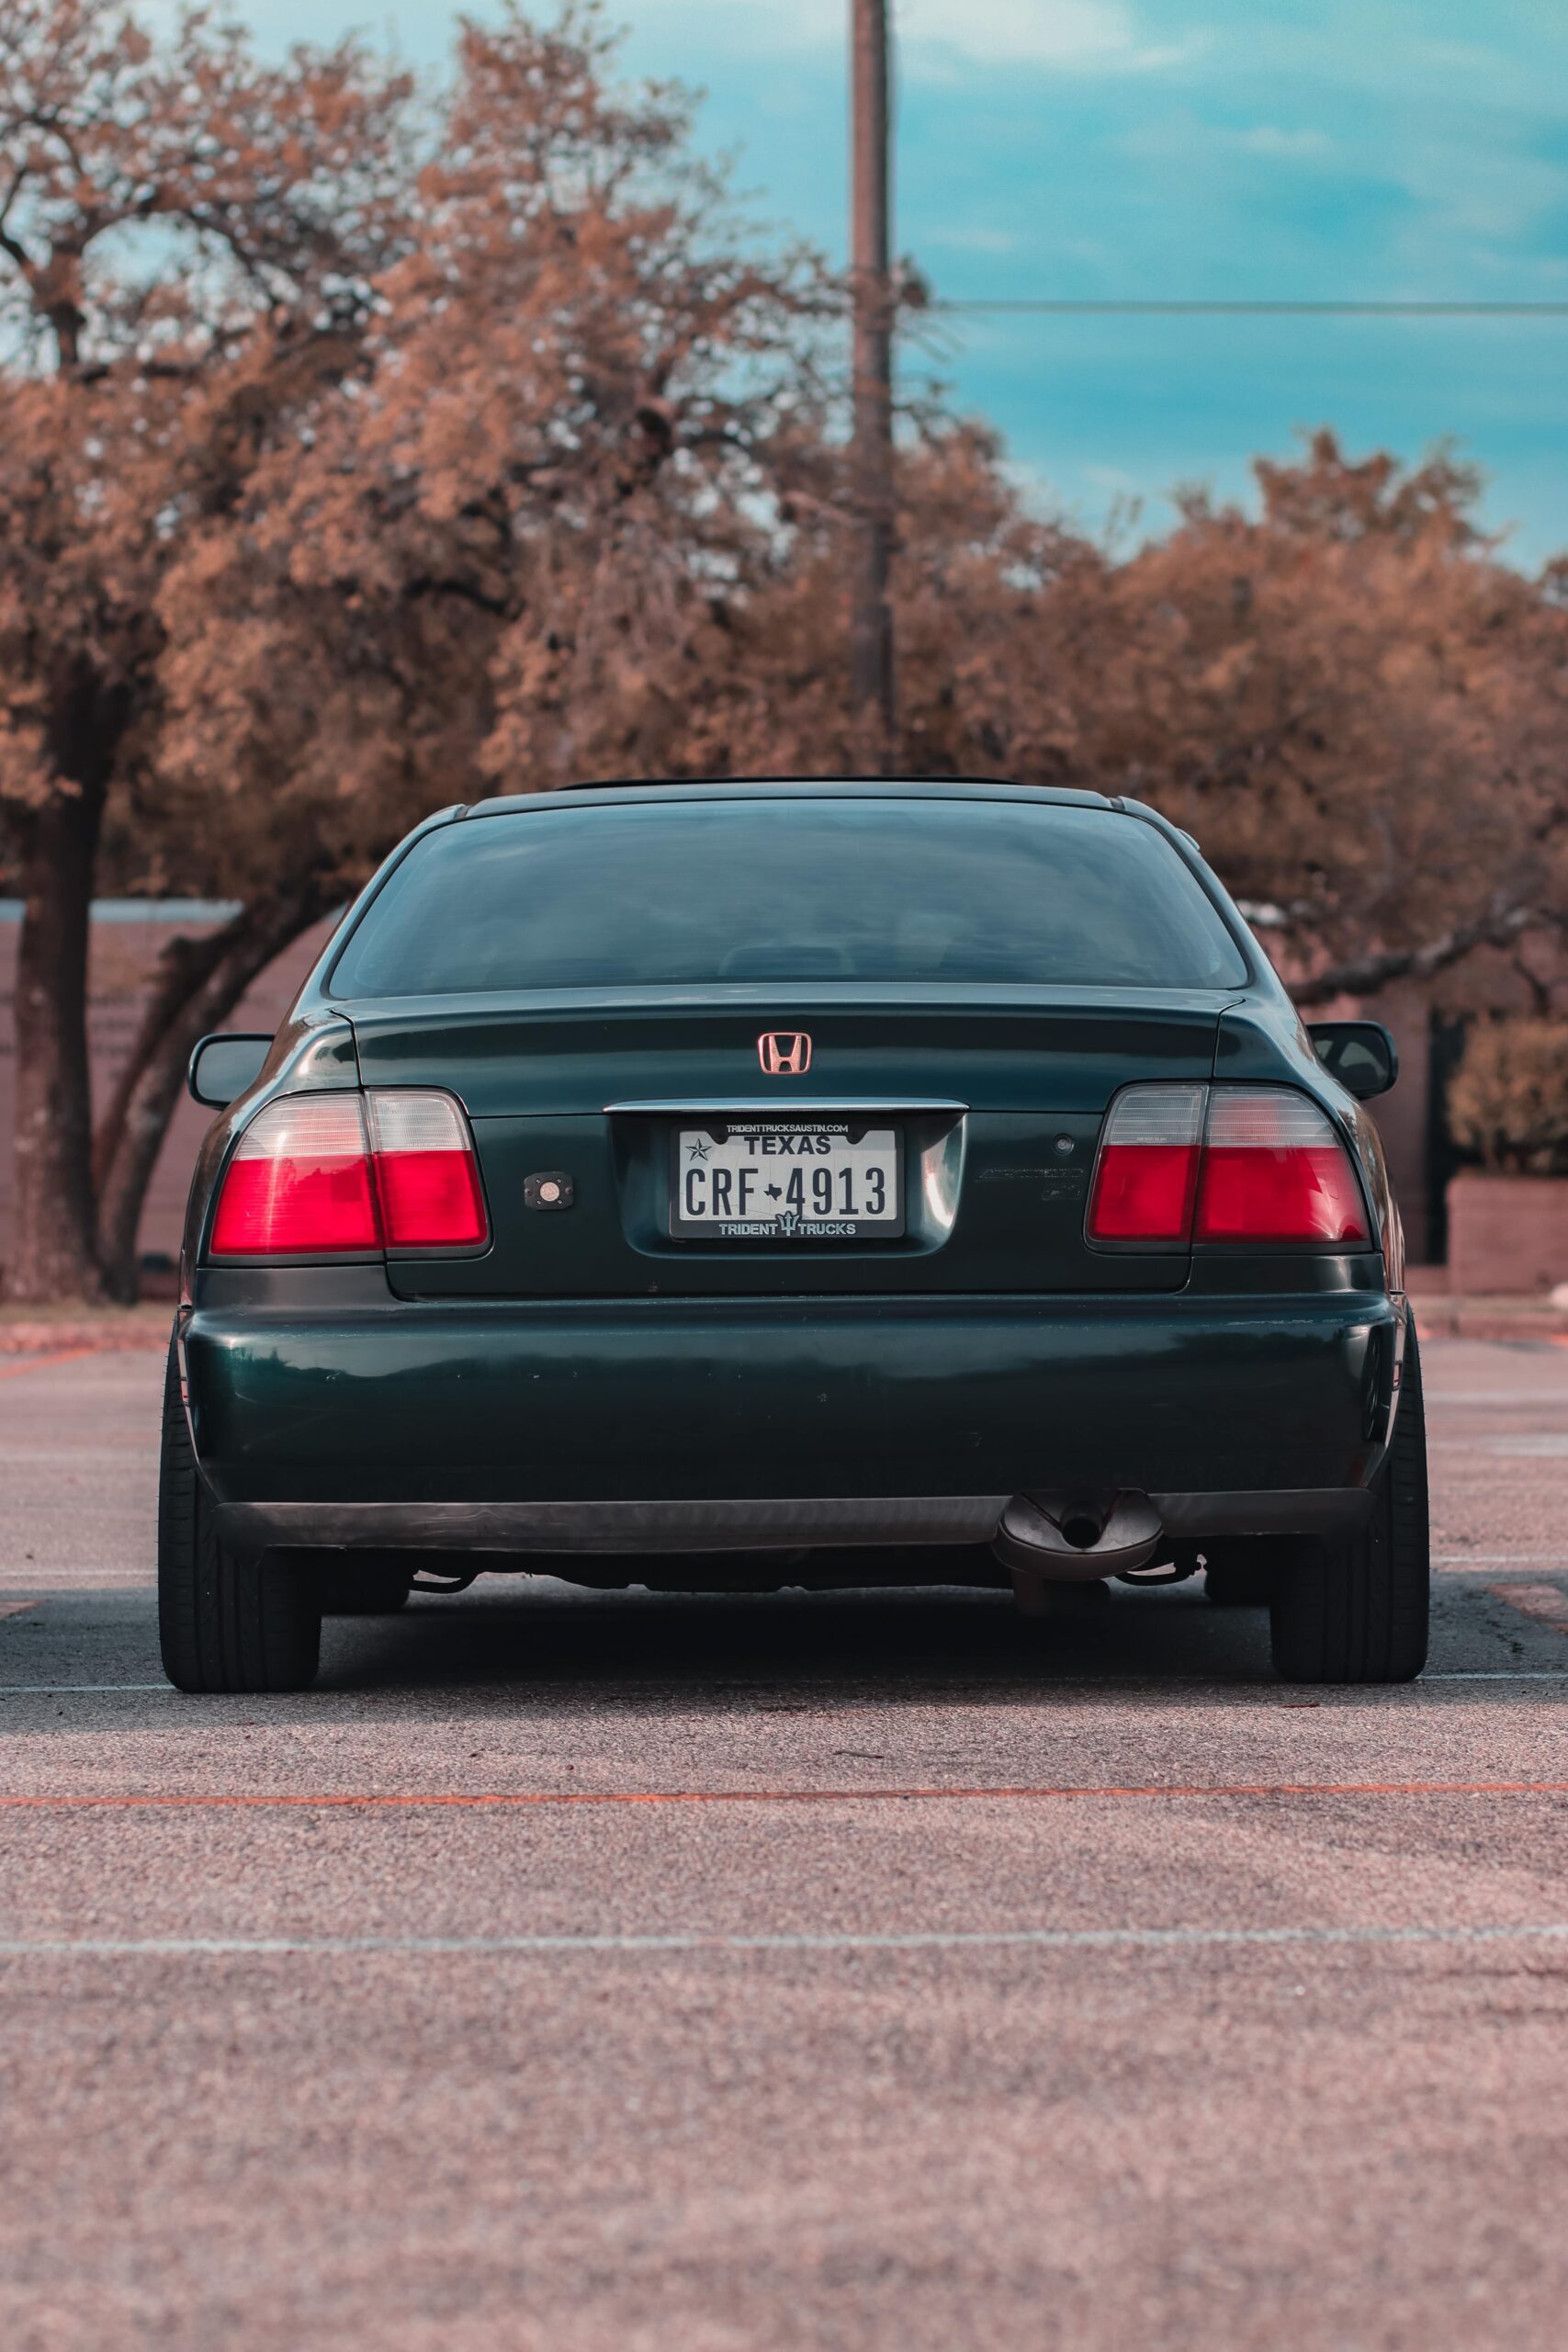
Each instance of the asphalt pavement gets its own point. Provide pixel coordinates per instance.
(580, 1971)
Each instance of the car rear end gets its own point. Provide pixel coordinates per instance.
(675, 1171)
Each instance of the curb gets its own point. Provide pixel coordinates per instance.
(1490, 1318)
(82, 1339)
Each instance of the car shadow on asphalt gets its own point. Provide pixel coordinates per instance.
(539, 1638)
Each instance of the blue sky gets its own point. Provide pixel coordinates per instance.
(1229, 149)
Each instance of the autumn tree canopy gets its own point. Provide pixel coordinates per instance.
(361, 450)
(1349, 696)
(1358, 706)
(189, 242)
(350, 450)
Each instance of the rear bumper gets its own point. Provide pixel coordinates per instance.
(767, 1525)
(708, 1424)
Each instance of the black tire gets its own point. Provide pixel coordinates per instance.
(1355, 1608)
(227, 1621)
(364, 1587)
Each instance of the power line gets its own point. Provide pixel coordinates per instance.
(1035, 306)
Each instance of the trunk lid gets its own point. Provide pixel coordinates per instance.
(999, 1095)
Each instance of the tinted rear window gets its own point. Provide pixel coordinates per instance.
(694, 893)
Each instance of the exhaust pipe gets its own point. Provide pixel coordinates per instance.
(1058, 1539)
(1082, 1529)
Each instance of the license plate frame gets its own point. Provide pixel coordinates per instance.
(881, 1136)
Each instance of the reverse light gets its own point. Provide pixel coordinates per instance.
(1261, 1164)
(330, 1175)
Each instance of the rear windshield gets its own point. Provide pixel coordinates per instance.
(692, 893)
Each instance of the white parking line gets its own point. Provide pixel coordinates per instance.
(696, 1940)
(1470, 1397)
(1499, 1560)
(1533, 1445)
(1151, 1682)
(1492, 1674)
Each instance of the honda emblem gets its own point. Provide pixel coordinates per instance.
(784, 1053)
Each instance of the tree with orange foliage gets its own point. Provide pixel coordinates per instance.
(1357, 705)
(358, 455)
(298, 522)
(189, 244)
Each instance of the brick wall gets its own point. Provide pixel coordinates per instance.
(126, 939)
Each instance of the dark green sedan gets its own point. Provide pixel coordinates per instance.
(741, 1185)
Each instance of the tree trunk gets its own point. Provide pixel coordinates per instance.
(199, 983)
(53, 1251)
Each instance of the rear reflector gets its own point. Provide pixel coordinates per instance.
(1147, 1172)
(1268, 1166)
(1275, 1171)
(308, 1178)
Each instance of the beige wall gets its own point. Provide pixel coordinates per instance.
(124, 954)
(1403, 1116)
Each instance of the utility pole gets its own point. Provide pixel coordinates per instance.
(871, 628)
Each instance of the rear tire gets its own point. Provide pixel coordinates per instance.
(364, 1587)
(227, 1621)
(1355, 1608)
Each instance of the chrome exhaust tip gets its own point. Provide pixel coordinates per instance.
(1061, 1539)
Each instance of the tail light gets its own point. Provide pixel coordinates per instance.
(1275, 1171)
(1224, 1163)
(1147, 1179)
(426, 1174)
(298, 1182)
(329, 1175)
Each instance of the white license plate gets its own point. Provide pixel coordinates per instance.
(765, 1180)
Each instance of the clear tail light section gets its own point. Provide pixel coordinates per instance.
(335, 1175)
(1253, 1164)
(1274, 1170)
(426, 1174)
(1146, 1176)
(298, 1182)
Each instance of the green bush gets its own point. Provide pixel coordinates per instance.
(1508, 1100)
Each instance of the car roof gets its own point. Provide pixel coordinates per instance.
(792, 789)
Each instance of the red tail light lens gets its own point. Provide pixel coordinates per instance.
(1275, 1171)
(1146, 1176)
(426, 1174)
(299, 1183)
(1223, 1163)
(309, 1179)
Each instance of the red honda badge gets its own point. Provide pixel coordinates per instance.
(784, 1053)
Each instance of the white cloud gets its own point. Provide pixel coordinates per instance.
(1268, 139)
(1066, 34)
(958, 239)
(1113, 481)
(1033, 32)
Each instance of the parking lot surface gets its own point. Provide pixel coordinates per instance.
(578, 1970)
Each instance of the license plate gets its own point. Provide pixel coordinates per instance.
(764, 1180)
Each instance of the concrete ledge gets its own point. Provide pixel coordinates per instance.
(1442, 1316)
(79, 1331)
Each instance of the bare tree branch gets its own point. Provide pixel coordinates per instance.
(1365, 974)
